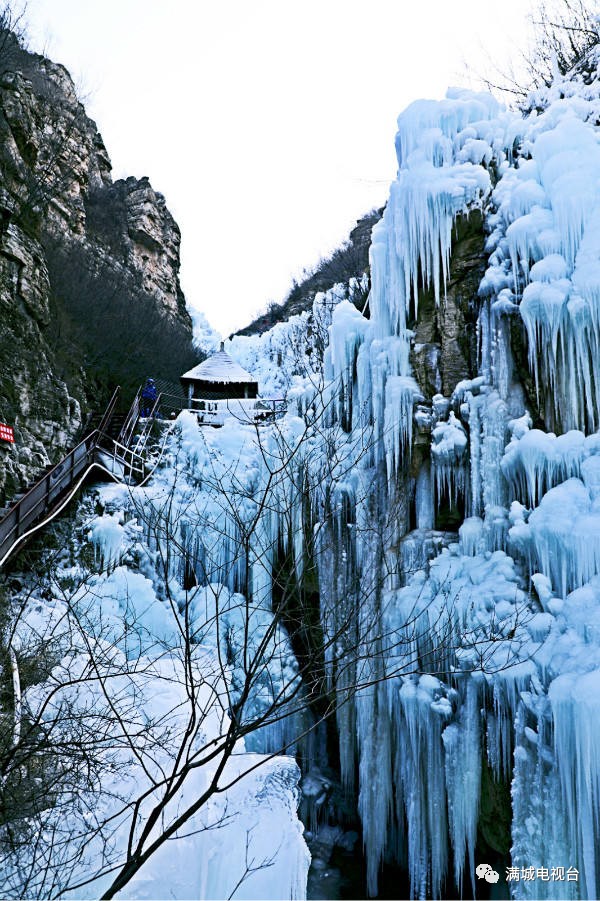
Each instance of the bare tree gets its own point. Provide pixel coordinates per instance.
(13, 34)
(565, 32)
(562, 34)
(237, 546)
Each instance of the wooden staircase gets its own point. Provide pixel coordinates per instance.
(109, 438)
(112, 429)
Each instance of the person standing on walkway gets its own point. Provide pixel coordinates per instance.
(149, 395)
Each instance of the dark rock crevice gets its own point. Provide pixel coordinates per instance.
(444, 349)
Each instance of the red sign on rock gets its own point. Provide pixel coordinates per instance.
(7, 432)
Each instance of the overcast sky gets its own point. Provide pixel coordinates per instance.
(267, 124)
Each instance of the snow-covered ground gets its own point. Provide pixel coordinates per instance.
(145, 674)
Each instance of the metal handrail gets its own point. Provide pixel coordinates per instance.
(142, 438)
(210, 409)
(120, 452)
(126, 450)
(133, 417)
(42, 496)
(247, 411)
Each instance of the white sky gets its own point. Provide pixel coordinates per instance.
(267, 124)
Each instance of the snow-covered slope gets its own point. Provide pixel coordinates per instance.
(291, 353)
(143, 679)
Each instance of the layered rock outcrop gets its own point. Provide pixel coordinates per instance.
(444, 349)
(79, 254)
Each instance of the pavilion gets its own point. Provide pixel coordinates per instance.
(218, 378)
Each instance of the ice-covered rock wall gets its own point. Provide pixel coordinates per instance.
(418, 738)
(477, 658)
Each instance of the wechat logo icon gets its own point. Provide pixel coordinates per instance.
(484, 871)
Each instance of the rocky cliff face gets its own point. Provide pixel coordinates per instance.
(82, 261)
(444, 349)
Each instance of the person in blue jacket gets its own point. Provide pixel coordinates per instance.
(149, 395)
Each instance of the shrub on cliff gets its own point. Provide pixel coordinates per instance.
(104, 321)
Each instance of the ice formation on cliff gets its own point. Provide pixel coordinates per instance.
(512, 684)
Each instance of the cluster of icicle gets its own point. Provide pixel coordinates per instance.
(460, 664)
(417, 737)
